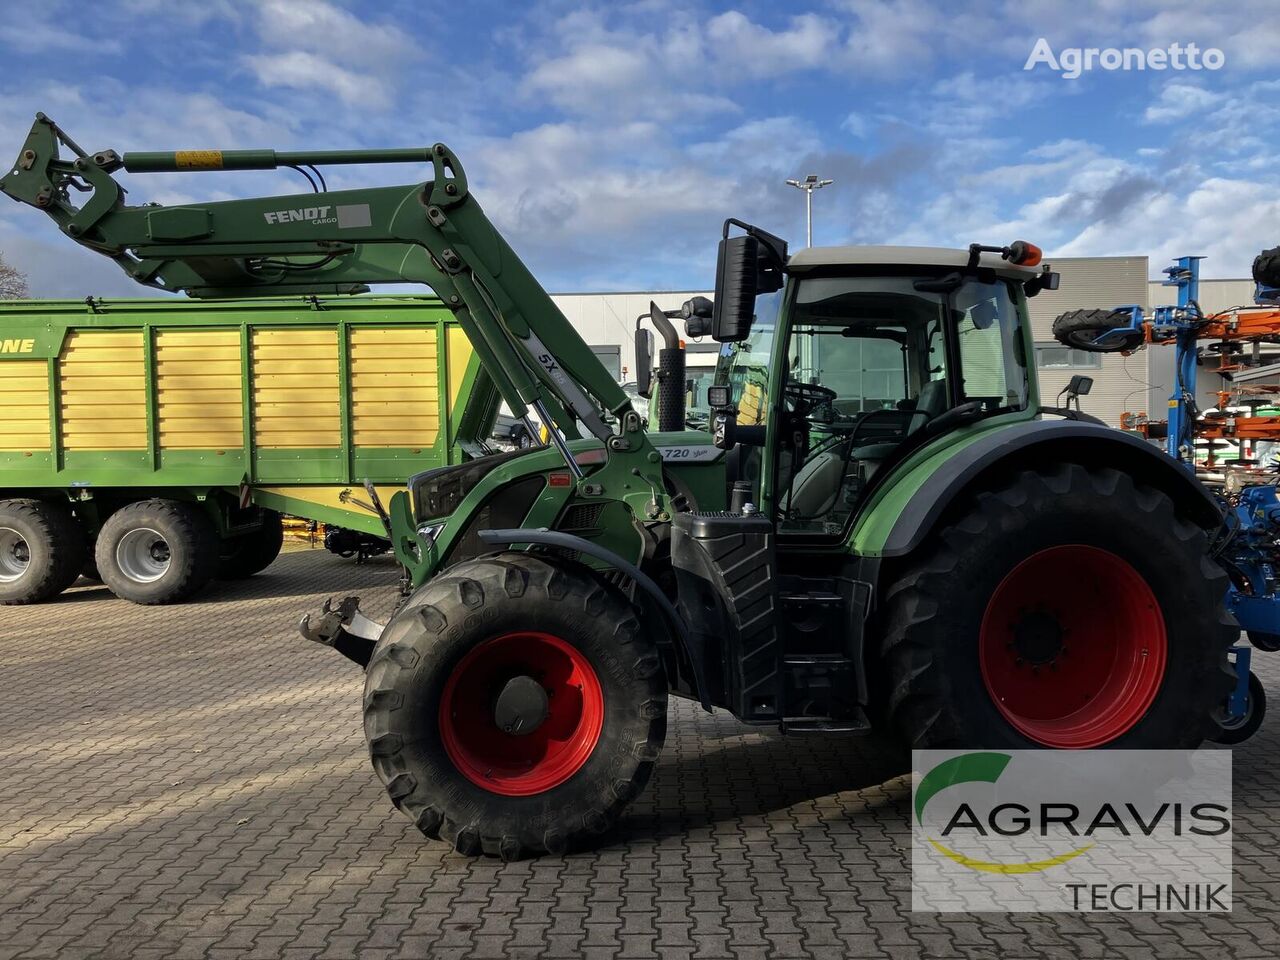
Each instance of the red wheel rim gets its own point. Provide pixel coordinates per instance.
(504, 763)
(1073, 647)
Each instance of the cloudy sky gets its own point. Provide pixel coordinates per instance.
(609, 141)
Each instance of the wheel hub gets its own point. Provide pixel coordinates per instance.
(521, 713)
(143, 555)
(521, 707)
(1073, 647)
(15, 555)
(1038, 638)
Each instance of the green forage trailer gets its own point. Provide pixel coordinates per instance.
(155, 443)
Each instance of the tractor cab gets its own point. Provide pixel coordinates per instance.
(863, 355)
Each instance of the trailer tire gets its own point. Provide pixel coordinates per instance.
(41, 550)
(432, 706)
(1231, 732)
(1080, 328)
(1067, 608)
(241, 557)
(156, 551)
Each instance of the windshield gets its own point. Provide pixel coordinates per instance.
(879, 343)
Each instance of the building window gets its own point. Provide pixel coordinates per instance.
(611, 357)
(1054, 356)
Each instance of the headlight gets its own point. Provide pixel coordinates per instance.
(430, 531)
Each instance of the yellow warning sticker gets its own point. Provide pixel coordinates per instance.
(198, 159)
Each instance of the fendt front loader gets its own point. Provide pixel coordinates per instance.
(882, 529)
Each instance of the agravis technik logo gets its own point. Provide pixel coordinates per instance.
(1071, 830)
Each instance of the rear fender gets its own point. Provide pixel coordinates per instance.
(934, 484)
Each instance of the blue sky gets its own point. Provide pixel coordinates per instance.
(610, 140)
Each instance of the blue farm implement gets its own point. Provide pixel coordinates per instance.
(1249, 542)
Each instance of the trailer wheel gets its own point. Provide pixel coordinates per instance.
(243, 556)
(1070, 608)
(156, 551)
(1240, 729)
(514, 706)
(41, 550)
(1080, 328)
(1269, 642)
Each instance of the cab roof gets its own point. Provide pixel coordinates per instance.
(859, 256)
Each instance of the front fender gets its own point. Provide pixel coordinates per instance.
(910, 505)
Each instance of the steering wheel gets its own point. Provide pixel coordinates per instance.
(806, 397)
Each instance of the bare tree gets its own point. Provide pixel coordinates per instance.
(13, 282)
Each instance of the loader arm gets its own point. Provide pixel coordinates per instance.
(433, 232)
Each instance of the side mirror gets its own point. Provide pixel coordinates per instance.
(735, 302)
(745, 266)
(644, 362)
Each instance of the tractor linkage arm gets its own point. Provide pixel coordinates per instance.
(433, 233)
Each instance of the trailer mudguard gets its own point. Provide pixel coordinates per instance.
(1056, 441)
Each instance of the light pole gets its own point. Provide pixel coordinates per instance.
(808, 185)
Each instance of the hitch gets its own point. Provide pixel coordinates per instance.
(344, 628)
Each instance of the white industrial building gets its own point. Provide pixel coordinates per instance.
(1140, 382)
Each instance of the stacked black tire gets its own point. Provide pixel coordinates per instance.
(1266, 267)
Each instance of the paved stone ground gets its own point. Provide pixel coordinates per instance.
(192, 782)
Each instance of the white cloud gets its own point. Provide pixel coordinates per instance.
(754, 50)
(329, 31)
(41, 37)
(1178, 101)
(300, 70)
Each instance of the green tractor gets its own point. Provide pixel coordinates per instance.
(883, 528)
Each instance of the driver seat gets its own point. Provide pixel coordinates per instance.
(929, 404)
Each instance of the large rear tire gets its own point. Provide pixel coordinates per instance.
(1069, 608)
(514, 706)
(41, 550)
(243, 556)
(157, 551)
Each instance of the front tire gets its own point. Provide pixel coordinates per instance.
(460, 731)
(156, 551)
(41, 550)
(1069, 608)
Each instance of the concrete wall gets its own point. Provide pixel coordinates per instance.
(609, 319)
(1120, 384)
